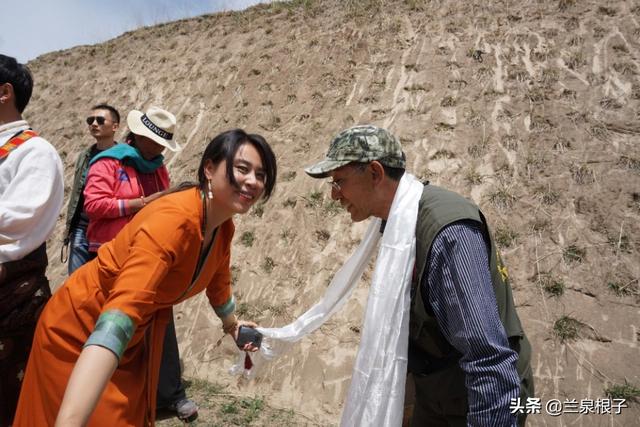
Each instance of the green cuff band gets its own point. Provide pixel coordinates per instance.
(226, 309)
(113, 331)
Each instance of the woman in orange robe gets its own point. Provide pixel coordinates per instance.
(96, 351)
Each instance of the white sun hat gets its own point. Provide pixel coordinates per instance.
(157, 124)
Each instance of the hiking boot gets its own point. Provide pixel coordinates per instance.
(186, 409)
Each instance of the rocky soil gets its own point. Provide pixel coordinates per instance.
(530, 108)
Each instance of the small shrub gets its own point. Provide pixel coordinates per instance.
(332, 207)
(510, 142)
(268, 264)
(253, 407)
(323, 235)
(549, 76)
(629, 163)
(289, 203)
(561, 145)
(582, 174)
(625, 391)
(620, 289)
(547, 195)
(540, 224)
(576, 60)
(477, 150)
(609, 11)
(502, 198)
(565, 4)
(443, 127)
(448, 101)
(443, 154)
(573, 254)
(247, 238)
(415, 4)
(473, 177)
(258, 210)
(314, 199)
(474, 118)
(620, 243)
(416, 87)
(552, 286)
(567, 328)
(229, 408)
(599, 131)
(505, 237)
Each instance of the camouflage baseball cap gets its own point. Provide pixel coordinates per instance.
(363, 143)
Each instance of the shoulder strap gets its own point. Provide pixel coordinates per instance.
(15, 142)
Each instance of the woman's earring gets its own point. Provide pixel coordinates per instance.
(209, 190)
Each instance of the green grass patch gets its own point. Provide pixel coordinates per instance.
(567, 328)
(552, 286)
(623, 391)
(505, 237)
(247, 238)
(573, 254)
(621, 289)
(315, 199)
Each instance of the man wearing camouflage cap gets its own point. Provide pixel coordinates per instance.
(467, 352)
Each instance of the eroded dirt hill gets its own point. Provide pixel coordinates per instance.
(530, 108)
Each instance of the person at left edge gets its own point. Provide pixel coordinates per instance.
(31, 193)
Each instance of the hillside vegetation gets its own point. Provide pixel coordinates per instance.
(530, 108)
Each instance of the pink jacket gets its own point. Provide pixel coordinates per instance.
(109, 187)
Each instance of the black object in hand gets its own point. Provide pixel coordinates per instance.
(248, 335)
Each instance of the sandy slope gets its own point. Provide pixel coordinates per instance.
(529, 108)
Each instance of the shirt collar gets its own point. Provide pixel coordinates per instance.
(9, 129)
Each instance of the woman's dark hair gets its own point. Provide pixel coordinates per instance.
(129, 138)
(226, 145)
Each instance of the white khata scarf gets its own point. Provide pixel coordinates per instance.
(376, 393)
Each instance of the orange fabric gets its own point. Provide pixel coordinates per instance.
(143, 272)
(15, 142)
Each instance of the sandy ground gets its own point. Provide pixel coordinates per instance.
(530, 108)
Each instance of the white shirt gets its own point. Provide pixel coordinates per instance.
(31, 193)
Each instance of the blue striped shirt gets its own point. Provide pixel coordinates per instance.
(459, 290)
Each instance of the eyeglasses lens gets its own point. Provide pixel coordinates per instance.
(98, 119)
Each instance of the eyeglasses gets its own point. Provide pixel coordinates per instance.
(98, 119)
(337, 184)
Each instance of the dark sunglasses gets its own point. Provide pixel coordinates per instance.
(98, 119)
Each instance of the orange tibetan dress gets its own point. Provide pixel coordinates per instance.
(150, 266)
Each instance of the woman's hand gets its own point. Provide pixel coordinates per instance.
(140, 202)
(248, 346)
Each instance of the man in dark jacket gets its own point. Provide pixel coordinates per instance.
(103, 122)
(468, 354)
